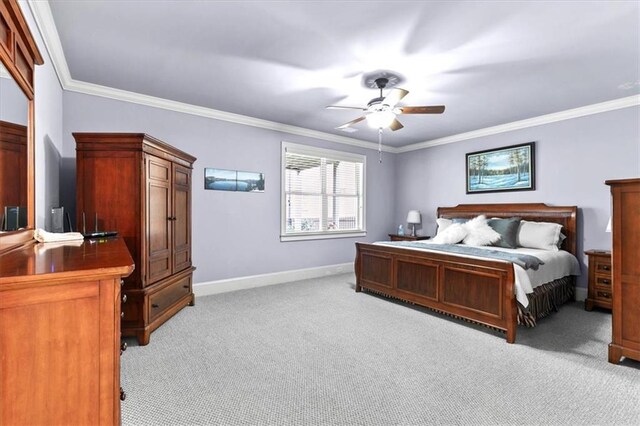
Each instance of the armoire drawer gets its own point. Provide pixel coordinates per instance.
(161, 300)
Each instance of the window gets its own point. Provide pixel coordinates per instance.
(322, 193)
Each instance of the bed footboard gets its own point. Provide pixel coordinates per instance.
(477, 290)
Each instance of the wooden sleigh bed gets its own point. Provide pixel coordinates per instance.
(478, 290)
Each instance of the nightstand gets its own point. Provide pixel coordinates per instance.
(599, 279)
(396, 237)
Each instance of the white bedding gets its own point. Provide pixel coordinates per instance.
(557, 264)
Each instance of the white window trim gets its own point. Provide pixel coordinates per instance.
(334, 154)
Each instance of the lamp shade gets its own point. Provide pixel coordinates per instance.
(413, 216)
(380, 119)
(608, 226)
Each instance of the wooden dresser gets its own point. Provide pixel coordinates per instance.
(599, 279)
(60, 333)
(140, 187)
(626, 269)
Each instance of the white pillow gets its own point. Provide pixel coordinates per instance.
(452, 234)
(443, 224)
(479, 233)
(540, 235)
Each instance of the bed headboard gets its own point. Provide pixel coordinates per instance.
(536, 212)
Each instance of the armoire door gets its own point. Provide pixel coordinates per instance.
(181, 218)
(159, 219)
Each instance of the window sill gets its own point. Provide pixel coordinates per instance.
(322, 236)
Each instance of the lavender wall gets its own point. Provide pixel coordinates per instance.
(48, 131)
(573, 159)
(234, 234)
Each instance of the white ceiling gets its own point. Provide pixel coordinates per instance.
(490, 63)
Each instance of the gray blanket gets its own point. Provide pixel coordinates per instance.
(525, 260)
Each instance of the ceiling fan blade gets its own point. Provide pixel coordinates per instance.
(345, 107)
(394, 96)
(395, 125)
(436, 109)
(345, 125)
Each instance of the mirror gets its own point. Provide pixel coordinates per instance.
(14, 116)
(18, 55)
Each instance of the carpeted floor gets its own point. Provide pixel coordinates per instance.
(316, 352)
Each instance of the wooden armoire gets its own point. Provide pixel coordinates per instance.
(140, 187)
(625, 259)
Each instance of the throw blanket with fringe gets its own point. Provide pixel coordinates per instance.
(526, 261)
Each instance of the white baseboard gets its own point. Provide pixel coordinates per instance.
(581, 294)
(253, 281)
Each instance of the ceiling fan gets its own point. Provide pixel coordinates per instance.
(381, 112)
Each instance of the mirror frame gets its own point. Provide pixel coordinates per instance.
(19, 55)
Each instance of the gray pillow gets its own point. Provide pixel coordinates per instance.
(508, 230)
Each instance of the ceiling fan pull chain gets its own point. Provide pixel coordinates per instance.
(380, 143)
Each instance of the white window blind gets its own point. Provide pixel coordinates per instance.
(322, 193)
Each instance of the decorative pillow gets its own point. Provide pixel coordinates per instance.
(540, 235)
(479, 233)
(508, 230)
(452, 234)
(443, 224)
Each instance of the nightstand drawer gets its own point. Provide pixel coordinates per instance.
(603, 295)
(603, 281)
(603, 266)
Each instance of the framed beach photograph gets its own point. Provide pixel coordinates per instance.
(511, 168)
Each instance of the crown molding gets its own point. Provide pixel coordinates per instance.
(629, 101)
(152, 101)
(44, 20)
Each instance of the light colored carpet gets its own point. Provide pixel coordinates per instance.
(316, 352)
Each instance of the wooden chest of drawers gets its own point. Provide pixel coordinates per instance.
(600, 280)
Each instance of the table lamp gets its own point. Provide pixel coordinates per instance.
(413, 218)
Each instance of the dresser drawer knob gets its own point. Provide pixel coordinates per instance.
(124, 298)
(122, 314)
(123, 347)
(605, 281)
(606, 267)
(123, 395)
(154, 306)
(185, 286)
(121, 283)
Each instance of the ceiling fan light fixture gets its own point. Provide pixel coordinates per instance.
(380, 119)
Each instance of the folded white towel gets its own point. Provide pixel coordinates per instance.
(49, 237)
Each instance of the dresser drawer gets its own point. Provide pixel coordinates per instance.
(161, 300)
(603, 295)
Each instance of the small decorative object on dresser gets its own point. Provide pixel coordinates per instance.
(397, 237)
(140, 187)
(599, 279)
(625, 257)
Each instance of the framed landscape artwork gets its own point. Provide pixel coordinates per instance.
(233, 180)
(511, 168)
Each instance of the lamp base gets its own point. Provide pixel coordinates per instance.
(413, 229)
